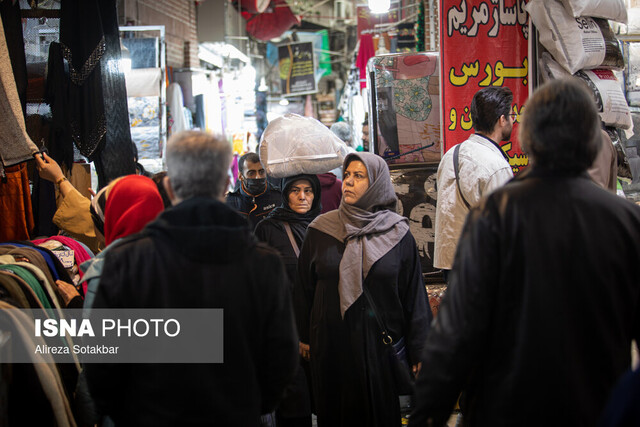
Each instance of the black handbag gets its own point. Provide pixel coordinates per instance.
(397, 355)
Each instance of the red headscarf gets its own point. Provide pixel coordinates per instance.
(132, 203)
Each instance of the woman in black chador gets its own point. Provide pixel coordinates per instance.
(284, 229)
(363, 246)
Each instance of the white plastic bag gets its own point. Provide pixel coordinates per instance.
(575, 43)
(607, 9)
(292, 145)
(610, 100)
(605, 89)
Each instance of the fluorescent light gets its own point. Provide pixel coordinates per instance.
(379, 6)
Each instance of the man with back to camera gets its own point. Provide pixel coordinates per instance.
(255, 197)
(482, 167)
(200, 254)
(544, 296)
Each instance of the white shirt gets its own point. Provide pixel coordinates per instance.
(482, 168)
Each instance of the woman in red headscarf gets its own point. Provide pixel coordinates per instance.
(131, 203)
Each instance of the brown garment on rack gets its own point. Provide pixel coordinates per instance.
(21, 327)
(31, 256)
(29, 294)
(70, 296)
(15, 205)
(12, 292)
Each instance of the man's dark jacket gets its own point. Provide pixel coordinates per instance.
(254, 208)
(542, 306)
(200, 254)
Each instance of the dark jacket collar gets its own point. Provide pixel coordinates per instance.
(204, 229)
(542, 172)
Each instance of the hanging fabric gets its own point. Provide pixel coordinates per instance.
(15, 203)
(60, 144)
(175, 102)
(12, 22)
(15, 144)
(98, 113)
(366, 51)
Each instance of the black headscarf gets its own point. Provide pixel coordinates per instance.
(297, 222)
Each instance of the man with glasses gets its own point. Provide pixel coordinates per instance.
(472, 169)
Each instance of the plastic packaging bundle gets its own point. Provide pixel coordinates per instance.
(633, 81)
(605, 87)
(576, 43)
(292, 145)
(607, 9)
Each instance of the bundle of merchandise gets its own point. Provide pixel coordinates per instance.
(293, 145)
(580, 42)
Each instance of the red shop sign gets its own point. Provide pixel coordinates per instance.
(482, 43)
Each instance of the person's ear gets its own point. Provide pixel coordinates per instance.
(227, 183)
(166, 183)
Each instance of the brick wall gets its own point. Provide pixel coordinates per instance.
(179, 20)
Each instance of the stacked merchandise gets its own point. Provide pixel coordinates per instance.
(631, 31)
(631, 50)
(34, 278)
(580, 42)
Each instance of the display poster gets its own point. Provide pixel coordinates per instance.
(482, 43)
(297, 69)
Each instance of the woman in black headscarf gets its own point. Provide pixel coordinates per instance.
(284, 229)
(359, 263)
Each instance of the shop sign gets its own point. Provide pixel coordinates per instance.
(483, 43)
(297, 67)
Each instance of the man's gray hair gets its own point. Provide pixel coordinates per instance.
(197, 164)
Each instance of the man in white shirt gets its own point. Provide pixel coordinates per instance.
(482, 167)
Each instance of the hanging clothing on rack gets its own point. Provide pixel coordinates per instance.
(12, 22)
(175, 102)
(15, 144)
(15, 204)
(60, 144)
(365, 52)
(98, 113)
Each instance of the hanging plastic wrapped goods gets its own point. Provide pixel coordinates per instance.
(607, 9)
(292, 145)
(575, 43)
(633, 79)
(604, 86)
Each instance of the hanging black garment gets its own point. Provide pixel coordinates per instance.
(117, 157)
(60, 144)
(12, 23)
(98, 118)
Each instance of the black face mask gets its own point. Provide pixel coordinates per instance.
(255, 186)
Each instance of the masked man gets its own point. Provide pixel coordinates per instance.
(254, 198)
